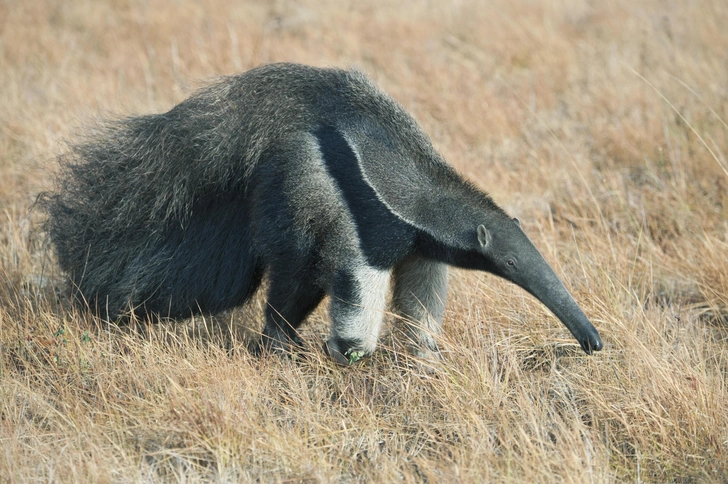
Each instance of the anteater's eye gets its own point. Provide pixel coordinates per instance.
(511, 262)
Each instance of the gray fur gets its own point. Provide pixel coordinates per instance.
(420, 294)
(311, 176)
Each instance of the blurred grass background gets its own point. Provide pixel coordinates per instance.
(601, 125)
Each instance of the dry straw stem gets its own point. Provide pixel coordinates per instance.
(601, 125)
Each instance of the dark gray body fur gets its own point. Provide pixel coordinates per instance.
(309, 175)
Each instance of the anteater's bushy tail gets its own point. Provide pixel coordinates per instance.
(149, 212)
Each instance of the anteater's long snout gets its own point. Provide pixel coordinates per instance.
(537, 277)
(554, 295)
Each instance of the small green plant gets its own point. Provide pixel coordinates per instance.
(354, 355)
(59, 333)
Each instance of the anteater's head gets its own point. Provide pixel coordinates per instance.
(510, 254)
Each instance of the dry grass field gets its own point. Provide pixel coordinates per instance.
(601, 125)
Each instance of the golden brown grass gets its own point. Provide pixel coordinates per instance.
(601, 125)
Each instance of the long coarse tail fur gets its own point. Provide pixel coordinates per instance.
(311, 176)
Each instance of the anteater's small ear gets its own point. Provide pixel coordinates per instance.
(518, 222)
(483, 236)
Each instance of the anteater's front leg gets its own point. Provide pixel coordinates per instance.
(358, 299)
(420, 291)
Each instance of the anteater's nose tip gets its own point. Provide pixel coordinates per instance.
(591, 344)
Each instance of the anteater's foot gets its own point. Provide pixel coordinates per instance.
(280, 345)
(345, 352)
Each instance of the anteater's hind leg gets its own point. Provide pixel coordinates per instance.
(420, 291)
(292, 296)
(358, 299)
